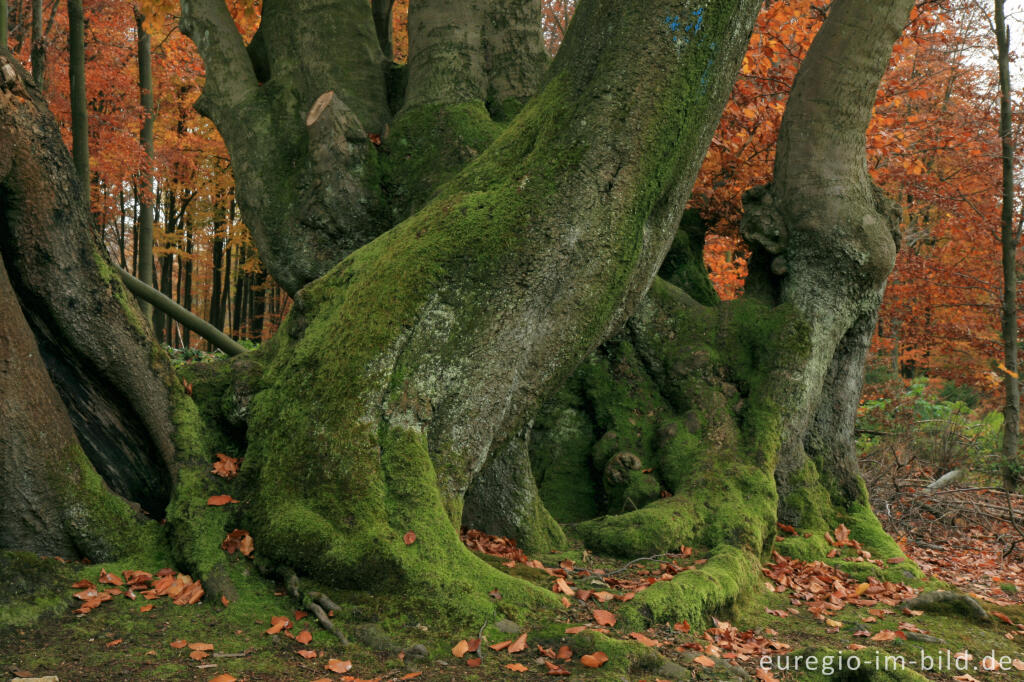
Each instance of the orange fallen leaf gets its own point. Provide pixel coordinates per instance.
(336, 666)
(409, 538)
(306, 653)
(114, 642)
(644, 639)
(575, 629)
(147, 607)
(704, 661)
(238, 541)
(460, 649)
(474, 662)
(603, 617)
(518, 644)
(179, 644)
(223, 677)
(198, 655)
(501, 645)
(304, 637)
(220, 500)
(682, 627)
(411, 676)
(200, 646)
(224, 600)
(565, 653)
(594, 660)
(517, 667)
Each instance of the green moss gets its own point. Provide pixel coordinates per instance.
(713, 588)
(684, 264)
(427, 146)
(100, 524)
(31, 587)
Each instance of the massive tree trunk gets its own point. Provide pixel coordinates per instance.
(399, 393)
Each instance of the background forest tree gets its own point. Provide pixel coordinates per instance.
(755, 355)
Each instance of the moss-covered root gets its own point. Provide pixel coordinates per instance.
(714, 588)
(396, 538)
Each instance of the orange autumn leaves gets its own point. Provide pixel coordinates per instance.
(179, 587)
(553, 661)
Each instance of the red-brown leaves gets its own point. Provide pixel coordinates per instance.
(602, 617)
(409, 538)
(225, 467)
(238, 541)
(220, 500)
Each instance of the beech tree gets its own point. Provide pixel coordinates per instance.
(478, 334)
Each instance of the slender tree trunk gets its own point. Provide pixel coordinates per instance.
(145, 203)
(240, 287)
(187, 293)
(38, 45)
(259, 306)
(226, 289)
(122, 230)
(79, 102)
(216, 316)
(1013, 472)
(4, 33)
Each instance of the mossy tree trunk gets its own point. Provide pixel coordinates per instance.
(399, 394)
(705, 423)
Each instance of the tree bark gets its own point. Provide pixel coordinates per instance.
(119, 402)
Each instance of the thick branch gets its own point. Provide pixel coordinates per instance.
(230, 78)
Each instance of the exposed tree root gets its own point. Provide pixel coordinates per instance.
(315, 603)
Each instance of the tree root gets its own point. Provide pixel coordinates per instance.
(943, 600)
(317, 603)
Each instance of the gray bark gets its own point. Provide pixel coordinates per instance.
(38, 45)
(834, 230)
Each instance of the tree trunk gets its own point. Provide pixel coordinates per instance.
(119, 403)
(38, 46)
(1012, 470)
(79, 103)
(145, 243)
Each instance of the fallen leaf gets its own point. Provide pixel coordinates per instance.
(644, 639)
(460, 649)
(517, 667)
(224, 600)
(114, 642)
(594, 660)
(223, 677)
(575, 629)
(409, 538)
(704, 661)
(200, 646)
(474, 662)
(198, 655)
(565, 653)
(179, 644)
(603, 617)
(304, 637)
(337, 666)
(306, 653)
(220, 500)
(501, 645)
(518, 644)
(682, 627)
(147, 607)
(411, 676)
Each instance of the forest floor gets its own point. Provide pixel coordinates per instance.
(806, 610)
